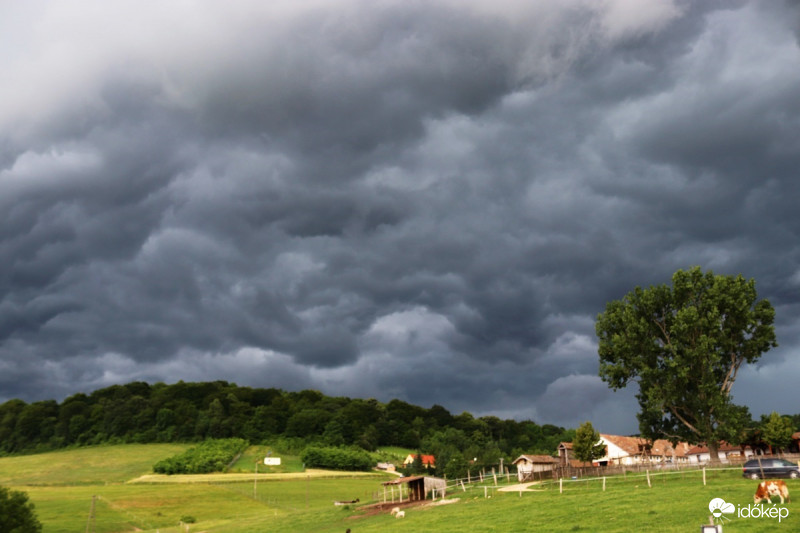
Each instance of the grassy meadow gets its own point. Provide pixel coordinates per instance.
(63, 484)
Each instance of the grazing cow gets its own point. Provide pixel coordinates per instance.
(767, 489)
(401, 514)
(395, 510)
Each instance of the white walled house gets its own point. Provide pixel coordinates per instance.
(727, 453)
(622, 450)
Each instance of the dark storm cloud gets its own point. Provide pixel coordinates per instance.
(404, 199)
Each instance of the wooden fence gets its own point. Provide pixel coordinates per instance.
(569, 472)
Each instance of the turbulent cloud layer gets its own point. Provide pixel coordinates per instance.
(423, 200)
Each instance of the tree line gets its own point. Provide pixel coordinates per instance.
(139, 412)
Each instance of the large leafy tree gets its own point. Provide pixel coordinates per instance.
(587, 446)
(684, 345)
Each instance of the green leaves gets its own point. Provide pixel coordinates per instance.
(587, 445)
(776, 430)
(684, 346)
(336, 458)
(17, 514)
(210, 456)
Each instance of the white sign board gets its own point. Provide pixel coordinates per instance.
(272, 461)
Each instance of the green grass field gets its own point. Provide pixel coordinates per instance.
(81, 466)
(62, 486)
(256, 454)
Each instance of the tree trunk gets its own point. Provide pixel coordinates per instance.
(713, 452)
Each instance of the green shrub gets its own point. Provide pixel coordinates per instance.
(336, 458)
(210, 456)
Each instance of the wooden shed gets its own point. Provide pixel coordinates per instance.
(418, 488)
(529, 465)
(415, 491)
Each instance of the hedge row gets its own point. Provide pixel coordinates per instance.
(336, 458)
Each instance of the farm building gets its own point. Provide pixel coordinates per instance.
(527, 465)
(636, 450)
(622, 450)
(428, 461)
(727, 452)
(565, 455)
(419, 487)
(566, 458)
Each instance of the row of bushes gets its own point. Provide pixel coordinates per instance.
(210, 456)
(336, 458)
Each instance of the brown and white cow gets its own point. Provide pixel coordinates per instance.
(768, 489)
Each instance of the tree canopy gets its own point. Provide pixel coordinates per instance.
(192, 412)
(684, 345)
(587, 446)
(776, 430)
(17, 514)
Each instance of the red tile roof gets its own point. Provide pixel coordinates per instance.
(427, 460)
(640, 446)
(723, 447)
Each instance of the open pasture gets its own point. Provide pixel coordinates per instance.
(62, 486)
(81, 466)
(674, 502)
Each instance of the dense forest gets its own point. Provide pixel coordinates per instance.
(188, 412)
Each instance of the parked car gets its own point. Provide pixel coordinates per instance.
(758, 468)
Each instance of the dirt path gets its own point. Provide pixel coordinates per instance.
(221, 478)
(521, 487)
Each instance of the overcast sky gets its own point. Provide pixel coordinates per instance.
(424, 200)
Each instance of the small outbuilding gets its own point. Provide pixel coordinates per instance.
(528, 465)
(386, 467)
(418, 487)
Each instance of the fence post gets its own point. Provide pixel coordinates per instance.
(647, 472)
(604, 483)
(704, 476)
(462, 486)
(561, 485)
